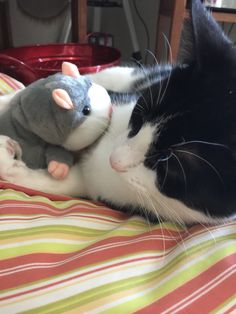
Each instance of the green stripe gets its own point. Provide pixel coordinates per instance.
(52, 228)
(40, 248)
(21, 196)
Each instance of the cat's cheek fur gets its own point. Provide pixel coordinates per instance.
(130, 152)
(143, 182)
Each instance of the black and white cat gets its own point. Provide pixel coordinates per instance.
(170, 149)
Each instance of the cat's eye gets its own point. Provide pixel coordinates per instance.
(164, 155)
(86, 110)
(136, 123)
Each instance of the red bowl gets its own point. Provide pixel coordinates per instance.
(29, 63)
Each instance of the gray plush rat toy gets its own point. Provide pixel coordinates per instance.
(55, 116)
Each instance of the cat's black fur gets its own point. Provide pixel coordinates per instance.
(196, 146)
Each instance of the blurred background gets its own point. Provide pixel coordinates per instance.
(129, 25)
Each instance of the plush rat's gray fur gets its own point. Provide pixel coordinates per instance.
(41, 126)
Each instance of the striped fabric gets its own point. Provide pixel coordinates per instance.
(8, 84)
(63, 255)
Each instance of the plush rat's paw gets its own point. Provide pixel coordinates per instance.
(58, 170)
(10, 165)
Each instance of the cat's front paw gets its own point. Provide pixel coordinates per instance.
(11, 166)
(9, 147)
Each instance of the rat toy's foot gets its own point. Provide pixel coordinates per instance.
(58, 170)
(10, 163)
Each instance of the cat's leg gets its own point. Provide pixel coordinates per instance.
(15, 171)
(117, 79)
(130, 79)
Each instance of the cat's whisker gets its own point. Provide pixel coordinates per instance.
(150, 83)
(206, 228)
(183, 171)
(200, 142)
(155, 211)
(139, 107)
(160, 89)
(141, 196)
(169, 48)
(204, 160)
(166, 174)
(142, 204)
(175, 214)
(181, 223)
(146, 103)
(171, 60)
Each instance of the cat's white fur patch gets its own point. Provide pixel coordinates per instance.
(117, 79)
(130, 152)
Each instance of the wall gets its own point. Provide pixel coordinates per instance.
(26, 30)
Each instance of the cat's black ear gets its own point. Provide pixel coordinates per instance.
(210, 47)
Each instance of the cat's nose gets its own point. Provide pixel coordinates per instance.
(125, 157)
(116, 164)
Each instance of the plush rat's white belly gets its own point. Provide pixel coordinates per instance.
(99, 177)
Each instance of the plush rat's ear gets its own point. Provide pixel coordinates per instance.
(62, 99)
(70, 69)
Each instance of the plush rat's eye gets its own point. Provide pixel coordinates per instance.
(86, 110)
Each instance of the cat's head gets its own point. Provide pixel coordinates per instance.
(182, 132)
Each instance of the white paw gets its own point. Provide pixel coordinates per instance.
(10, 147)
(11, 165)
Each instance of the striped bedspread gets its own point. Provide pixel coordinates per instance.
(62, 255)
(8, 84)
